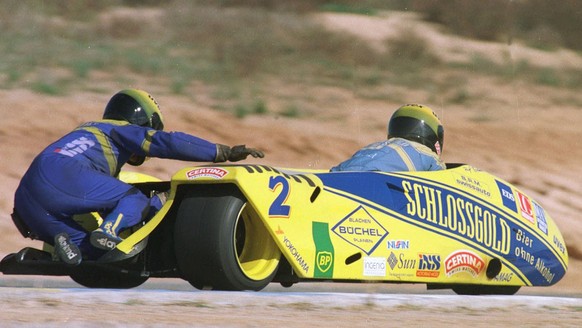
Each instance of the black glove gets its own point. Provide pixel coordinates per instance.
(236, 153)
(240, 152)
(136, 160)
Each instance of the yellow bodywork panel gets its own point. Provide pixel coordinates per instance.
(451, 226)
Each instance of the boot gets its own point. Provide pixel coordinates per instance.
(105, 237)
(66, 250)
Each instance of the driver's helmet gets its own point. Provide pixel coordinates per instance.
(417, 123)
(136, 107)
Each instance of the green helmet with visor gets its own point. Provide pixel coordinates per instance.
(136, 107)
(417, 123)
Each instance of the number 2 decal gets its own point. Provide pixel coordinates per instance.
(279, 208)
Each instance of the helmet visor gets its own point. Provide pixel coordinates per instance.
(416, 130)
(157, 122)
(124, 107)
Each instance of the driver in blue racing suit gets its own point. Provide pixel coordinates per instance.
(414, 143)
(77, 174)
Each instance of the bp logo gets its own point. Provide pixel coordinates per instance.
(324, 261)
(360, 229)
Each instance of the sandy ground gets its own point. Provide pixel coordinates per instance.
(526, 134)
(272, 308)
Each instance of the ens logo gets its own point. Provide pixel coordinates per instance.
(507, 196)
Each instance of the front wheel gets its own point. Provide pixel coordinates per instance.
(221, 243)
(97, 278)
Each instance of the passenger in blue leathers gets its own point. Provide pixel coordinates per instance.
(414, 143)
(77, 174)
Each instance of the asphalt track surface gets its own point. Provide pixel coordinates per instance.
(59, 302)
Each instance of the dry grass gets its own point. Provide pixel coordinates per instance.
(63, 47)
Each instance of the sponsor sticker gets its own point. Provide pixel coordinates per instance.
(75, 147)
(401, 261)
(392, 260)
(374, 266)
(206, 172)
(542, 223)
(398, 244)
(560, 245)
(464, 261)
(429, 265)
(324, 261)
(294, 252)
(360, 229)
(452, 212)
(324, 251)
(507, 196)
(406, 266)
(504, 276)
(473, 184)
(526, 207)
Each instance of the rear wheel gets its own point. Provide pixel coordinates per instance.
(485, 290)
(221, 243)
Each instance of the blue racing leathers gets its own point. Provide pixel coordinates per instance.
(394, 154)
(77, 174)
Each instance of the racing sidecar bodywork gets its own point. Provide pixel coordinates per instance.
(240, 227)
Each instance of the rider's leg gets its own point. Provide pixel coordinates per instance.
(130, 210)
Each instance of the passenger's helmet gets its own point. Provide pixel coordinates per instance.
(417, 123)
(136, 107)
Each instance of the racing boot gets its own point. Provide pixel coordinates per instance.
(66, 250)
(105, 236)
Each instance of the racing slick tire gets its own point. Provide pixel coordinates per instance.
(485, 290)
(221, 243)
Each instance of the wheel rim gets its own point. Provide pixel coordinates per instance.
(257, 254)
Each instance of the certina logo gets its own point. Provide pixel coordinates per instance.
(76, 147)
(464, 261)
(206, 172)
(360, 229)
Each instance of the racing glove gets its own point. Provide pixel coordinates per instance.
(237, 153)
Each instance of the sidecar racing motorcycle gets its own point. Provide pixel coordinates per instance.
(241, 227)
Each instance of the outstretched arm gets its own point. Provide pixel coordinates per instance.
(178, 145)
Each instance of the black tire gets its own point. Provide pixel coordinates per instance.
(108, 279)
(221, 243)
(485, 290)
